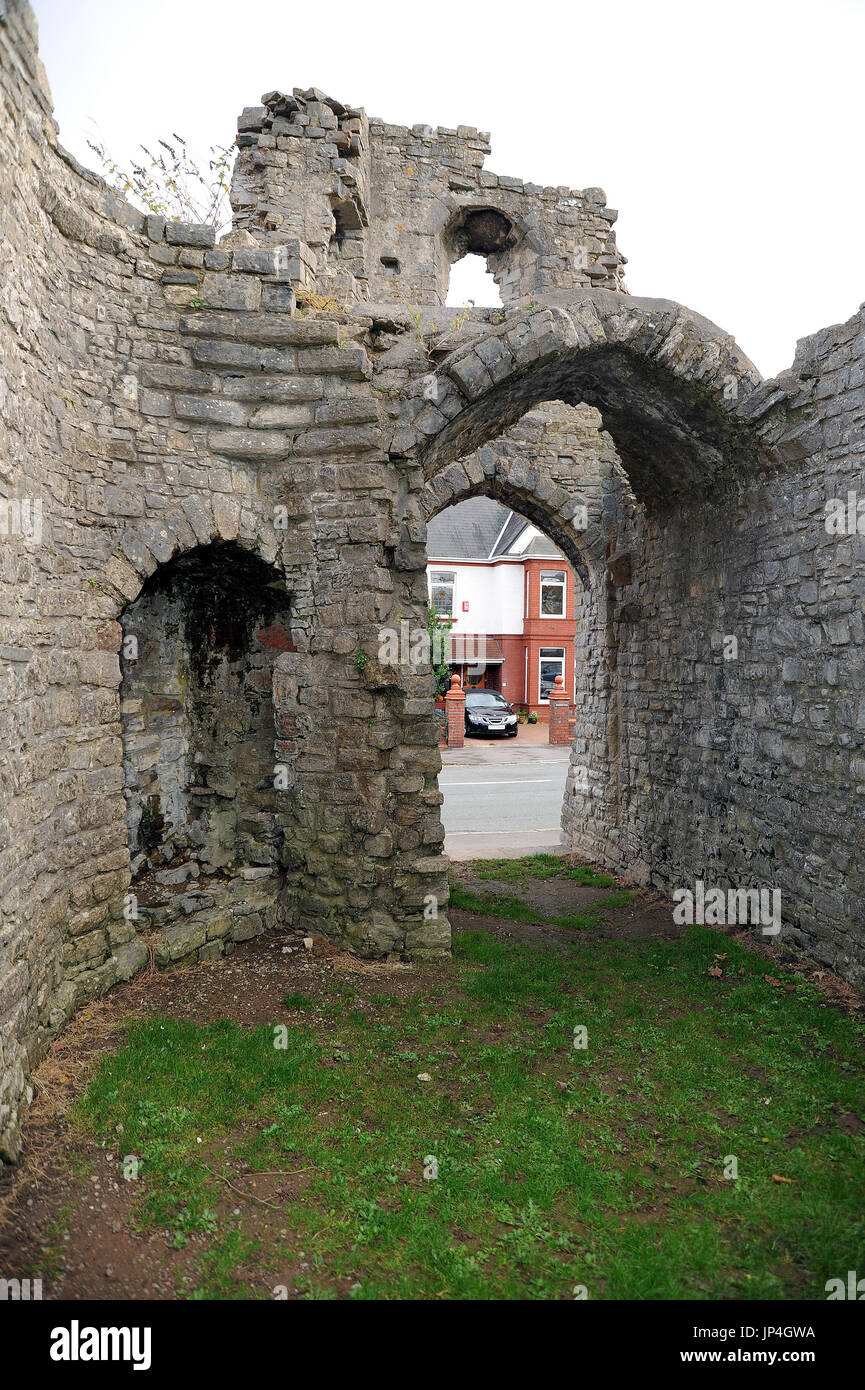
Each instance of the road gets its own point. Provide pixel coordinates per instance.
(502, 802)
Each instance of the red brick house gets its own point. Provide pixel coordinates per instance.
(510, 594)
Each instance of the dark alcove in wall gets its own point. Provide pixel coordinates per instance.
(199, 647)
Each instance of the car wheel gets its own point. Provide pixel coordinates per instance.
(512, 733)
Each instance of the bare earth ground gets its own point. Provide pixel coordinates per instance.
(63, 1211)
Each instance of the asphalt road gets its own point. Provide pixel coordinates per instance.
(503, 808)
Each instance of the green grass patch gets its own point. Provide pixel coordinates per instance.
(539, 866)
(298, 1001)
(516, 909)
(557, 1165)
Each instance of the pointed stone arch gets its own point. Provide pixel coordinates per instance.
(549, 505)
(669, 384)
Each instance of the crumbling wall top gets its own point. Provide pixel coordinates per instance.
(381, 211)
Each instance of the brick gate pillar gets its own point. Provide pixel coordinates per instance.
(560, 714)
(455, 707)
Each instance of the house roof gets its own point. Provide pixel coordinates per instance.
(466, 531)
(513, 529)
(481, 529)
(543, 548)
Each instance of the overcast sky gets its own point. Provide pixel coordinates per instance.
(729, 135)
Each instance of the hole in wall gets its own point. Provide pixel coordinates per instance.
(485, 231)
(472, 284)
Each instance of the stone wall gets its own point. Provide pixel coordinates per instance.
(371, 211)
(277, 399)
(733, 717)
(743, 760)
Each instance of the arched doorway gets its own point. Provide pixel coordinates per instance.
(665, 385)
(555, 474)
(507, 605)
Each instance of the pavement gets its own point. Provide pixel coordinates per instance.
(502, 797)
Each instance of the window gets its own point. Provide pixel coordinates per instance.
(442, 592)
(552, 593)
(552, 664)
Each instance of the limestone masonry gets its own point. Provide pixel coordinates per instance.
(220, 460)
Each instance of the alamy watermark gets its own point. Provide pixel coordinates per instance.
(20, 1290)
(416, 646)
(853, 1289)
(21, 517)
(717, 907)
(845, 517)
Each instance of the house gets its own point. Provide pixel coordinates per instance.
(509, 593)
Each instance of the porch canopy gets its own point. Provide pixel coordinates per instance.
(472, 649)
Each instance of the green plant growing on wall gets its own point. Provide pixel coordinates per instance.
(172, 182)
(463, 314)
(361, 662)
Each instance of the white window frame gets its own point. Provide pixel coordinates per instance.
(560, 657)
(548, 582)
(438, 580)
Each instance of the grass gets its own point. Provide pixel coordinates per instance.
(557, 1165)
(516, 909)
(535, 866)
(296, 1000)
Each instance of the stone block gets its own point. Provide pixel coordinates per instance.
(190, 234)
(209, 409)
(230, 291)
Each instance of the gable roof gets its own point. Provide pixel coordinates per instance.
(513, 529)
(481, 529)
(466, 531)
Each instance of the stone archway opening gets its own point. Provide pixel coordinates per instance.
(205, 832)
(668, 385)
(558, 471)
(511, 618)
(668, 391)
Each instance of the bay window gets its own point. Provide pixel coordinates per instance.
(551, 663)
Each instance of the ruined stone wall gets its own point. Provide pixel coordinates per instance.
(742, 762)
(733, 615)
(163, 395)
(371, 211)
(146, 428)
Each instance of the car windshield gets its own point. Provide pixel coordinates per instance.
(485, 697)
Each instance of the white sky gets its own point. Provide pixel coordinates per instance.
(728, 135)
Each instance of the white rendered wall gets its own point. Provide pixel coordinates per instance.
(494, 594)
